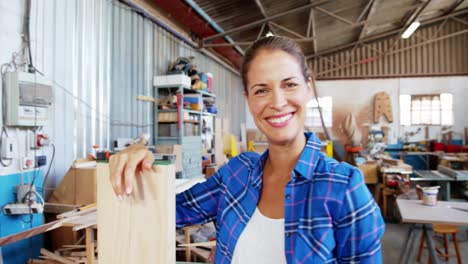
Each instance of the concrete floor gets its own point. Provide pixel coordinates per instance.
(395, 235)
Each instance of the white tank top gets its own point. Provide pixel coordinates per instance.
(261, 242)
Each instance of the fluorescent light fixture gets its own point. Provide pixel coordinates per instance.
(269, 34)
(410, 30)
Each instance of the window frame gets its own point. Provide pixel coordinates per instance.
(424, 109)
(315, 108)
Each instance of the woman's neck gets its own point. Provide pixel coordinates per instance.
(283, 158)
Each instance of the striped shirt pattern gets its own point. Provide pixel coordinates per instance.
(330, 215)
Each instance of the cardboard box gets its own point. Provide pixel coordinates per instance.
(171, 116)
(167, 130)
(370, 172)
(78, 187)
(172, 149)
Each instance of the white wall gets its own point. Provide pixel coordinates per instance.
(357, 97)
(11, 21)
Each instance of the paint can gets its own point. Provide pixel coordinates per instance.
(430, 195)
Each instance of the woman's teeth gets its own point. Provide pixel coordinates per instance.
(279, 119)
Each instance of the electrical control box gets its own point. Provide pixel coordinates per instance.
(27, 97)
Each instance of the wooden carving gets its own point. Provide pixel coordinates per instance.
(382, 106)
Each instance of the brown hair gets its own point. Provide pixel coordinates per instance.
(273, 43)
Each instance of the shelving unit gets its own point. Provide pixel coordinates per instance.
(184, 127)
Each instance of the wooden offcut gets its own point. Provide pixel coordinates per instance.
(141, 227)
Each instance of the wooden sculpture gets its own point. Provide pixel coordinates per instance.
(382, 106)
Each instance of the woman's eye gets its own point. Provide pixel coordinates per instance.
(290, 85)
(260, 91)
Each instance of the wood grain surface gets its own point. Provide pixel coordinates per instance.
(141, 227)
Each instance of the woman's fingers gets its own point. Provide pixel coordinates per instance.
(116, 168)
(141, 158)
(125, 165)
(148, 161)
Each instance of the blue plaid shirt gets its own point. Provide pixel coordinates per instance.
(330, 215)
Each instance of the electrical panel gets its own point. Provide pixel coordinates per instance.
(27, 98)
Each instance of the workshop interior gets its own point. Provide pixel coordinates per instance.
(82, 80)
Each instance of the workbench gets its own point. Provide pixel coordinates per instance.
(414, 212)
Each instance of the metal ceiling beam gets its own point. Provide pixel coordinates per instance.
(216, 45)
(364, 11)
(458, 33)
(264, 14)
(260, 6)
(454, 6)
(383, 35)
(311, 29)
(407, 20)
(334, 15)
(287, 30)
(267, 19)
(374, 4)
(460, 21)
(260, 33)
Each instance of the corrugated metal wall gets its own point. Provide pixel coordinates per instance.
(401, 57)
(101, 55)
(141, 49)
(70, 44)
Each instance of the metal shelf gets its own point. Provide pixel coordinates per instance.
(185, 121)
(186, 90)
(191, 145)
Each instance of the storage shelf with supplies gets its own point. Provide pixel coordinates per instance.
(180, 125)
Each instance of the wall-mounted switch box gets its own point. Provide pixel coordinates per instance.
(9, 148)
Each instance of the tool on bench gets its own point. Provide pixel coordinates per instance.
(459, 209)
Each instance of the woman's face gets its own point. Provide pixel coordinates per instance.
(277, 95)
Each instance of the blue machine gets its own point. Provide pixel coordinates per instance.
(19, 252)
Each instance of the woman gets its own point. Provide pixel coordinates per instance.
(290, 205)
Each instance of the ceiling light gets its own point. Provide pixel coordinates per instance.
(269, 34)
(410, 30)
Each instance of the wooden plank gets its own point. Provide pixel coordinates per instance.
(57, 208)
(199, 244)
(89, 245)
(141, 227)
(33, 231)
(89, 220)
(58, 258)
(76, 213)
(146, 98)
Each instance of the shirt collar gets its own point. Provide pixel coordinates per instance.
(305, 165)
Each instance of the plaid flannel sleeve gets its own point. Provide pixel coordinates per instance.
(360, 225)
(198, 204)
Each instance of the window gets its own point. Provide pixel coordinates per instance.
(433, 109)
(313, 116)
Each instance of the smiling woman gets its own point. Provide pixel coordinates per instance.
(292, 204)
(277, 93)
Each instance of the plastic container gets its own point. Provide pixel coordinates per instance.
(430, 195)
(210, 82)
